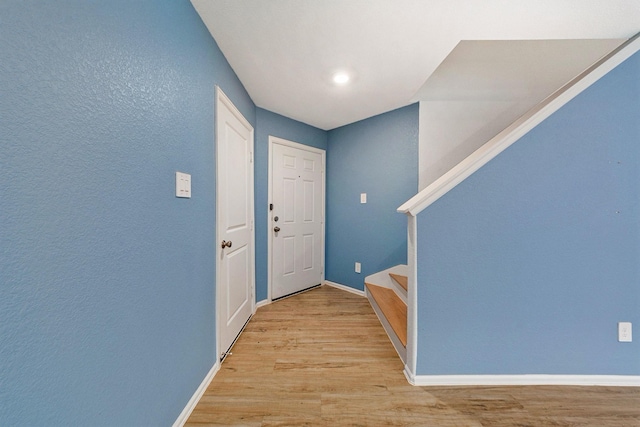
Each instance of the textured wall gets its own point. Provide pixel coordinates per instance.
(106, 279)
(273, 124)
(527, 266)
(377, 156)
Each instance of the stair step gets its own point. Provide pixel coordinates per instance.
(402, 280)
(393, 309)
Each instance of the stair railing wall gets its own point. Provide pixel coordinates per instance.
(481, 157)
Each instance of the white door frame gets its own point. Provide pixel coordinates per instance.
(220, 97)
(275, 140)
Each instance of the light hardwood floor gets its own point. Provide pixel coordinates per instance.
(321, 358)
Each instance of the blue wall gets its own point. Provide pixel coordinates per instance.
(273, 124)
(527, 266)
(377, 156)
(106, 278)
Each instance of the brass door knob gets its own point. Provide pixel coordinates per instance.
(226, 244)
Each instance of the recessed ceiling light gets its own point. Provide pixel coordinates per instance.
(341, 78)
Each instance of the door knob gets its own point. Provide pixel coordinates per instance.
(226, 244)
(276, 229)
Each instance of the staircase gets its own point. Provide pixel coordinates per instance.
(387, 294)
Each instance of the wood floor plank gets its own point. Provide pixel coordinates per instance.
(322, 358)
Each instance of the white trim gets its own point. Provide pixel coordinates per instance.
(345, 288)
(262, 303)
(412, 294)
(519, 128)
(507, 380)
(221, 97)
(297, 145)
(269, 217)
(408, 374)
(191, 404)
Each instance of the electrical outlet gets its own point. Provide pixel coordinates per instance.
(358, 267)
(183, 185)
(363, 197)
(624, 332)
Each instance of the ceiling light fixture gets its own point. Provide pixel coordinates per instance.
(341, 78)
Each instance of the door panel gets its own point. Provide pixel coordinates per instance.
(298, 202)
(308, 251)
(238, 264)
(234, 207)
(309, 201)
(289, 257)
(289, 200)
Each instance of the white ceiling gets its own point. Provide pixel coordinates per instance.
(506, 70)
(286, 51)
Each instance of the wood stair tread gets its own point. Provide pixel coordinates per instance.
(402, 280)
(393, 309)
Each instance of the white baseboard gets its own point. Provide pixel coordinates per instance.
(344, 288)
(262, 303)
(411, 378)
(191, 404)
(507, 380)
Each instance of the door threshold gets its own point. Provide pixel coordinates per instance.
(296, 293)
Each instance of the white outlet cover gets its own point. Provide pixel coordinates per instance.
(183, 185)
(358, 267)
(363, 197)
(624, 332)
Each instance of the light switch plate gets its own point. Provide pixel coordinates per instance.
(183, 185)
(358, 267)
(363, 197)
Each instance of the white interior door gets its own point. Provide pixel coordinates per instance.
(297, 217)
(234, 210)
